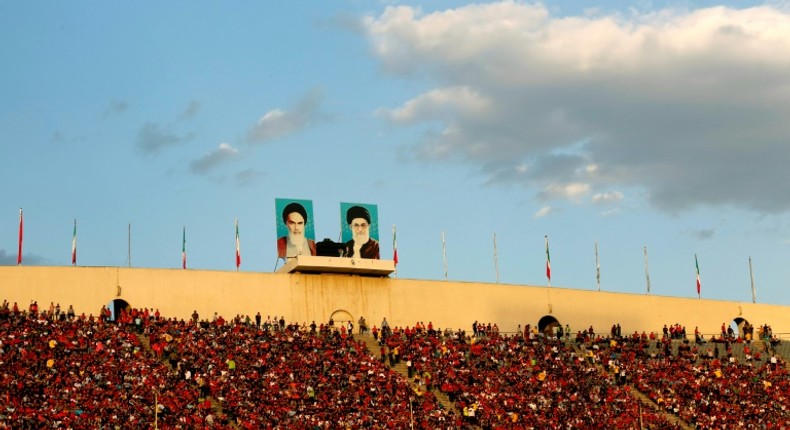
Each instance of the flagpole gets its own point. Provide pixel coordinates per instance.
(548, 260)
(699, 283)
(395, 249)
(184, 249)
(129, 246)
(647, 272)
(21, 230)
(74, 245)
(444, 255)
(238, 247)
(597, 267)
(751, 275)
(496, 261)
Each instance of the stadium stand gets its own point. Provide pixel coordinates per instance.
(145, 370)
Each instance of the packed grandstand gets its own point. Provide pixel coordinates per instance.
(145, 370)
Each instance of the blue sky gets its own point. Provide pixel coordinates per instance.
(654, 124)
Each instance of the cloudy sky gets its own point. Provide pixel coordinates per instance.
(656, 125)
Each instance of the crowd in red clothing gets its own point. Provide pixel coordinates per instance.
(516, 382)
(708, 390)
(60, 370)
(291, 377)
(80, 372)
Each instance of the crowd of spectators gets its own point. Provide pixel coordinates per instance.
(293, 376)
(58, 370)
(710, 389)
(519, 381)
(134, 369)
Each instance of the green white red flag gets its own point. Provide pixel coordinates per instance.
(21, 231)
(699, 283)
(548, 261)
(394, 246)
(74, 245)
(238, 248)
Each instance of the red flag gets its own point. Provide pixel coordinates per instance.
(548, 260)
(21, 230)
(394, 246)
(238, 249)
(74, 245)
(699, 282)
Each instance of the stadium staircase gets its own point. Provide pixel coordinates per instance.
(375, 350)
(216, 406)
(636, 394)
(575, 347)
(672, 418)
(783, 351)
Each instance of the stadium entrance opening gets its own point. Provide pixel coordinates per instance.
(738, 324)
(548, 326)
(341, 317)
(116, 306)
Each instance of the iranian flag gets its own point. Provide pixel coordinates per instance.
(184, 249)
(699, 283)
(21, 231)
(74, 245)
(548, 261)
(238, 248)
(394, 246)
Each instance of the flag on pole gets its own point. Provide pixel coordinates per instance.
(238, 248)
(548, 260)
(699, 283)
(394, 246)
(74, 245)
(184, 249)
(21, 230)
(597, 267)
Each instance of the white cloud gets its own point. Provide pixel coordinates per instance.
(573, 191)
(545, 210)
(439, 104)
(278, 123)
(607, 197)
(691, 106)
(211, 160)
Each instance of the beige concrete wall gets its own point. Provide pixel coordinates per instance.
(308, 297)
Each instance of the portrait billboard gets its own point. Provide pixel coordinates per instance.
(295, 227)
(359, 228)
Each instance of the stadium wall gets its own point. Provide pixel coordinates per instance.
(317, 297)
